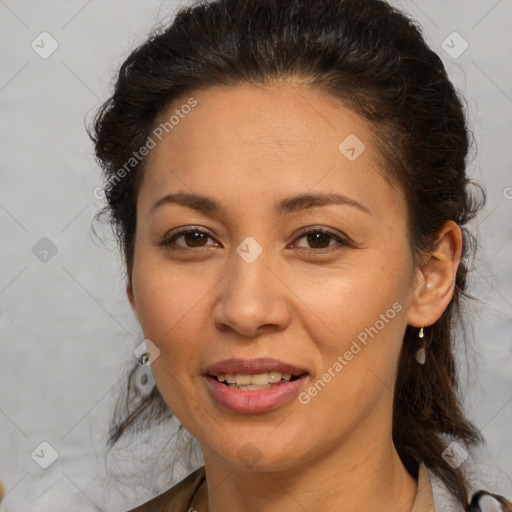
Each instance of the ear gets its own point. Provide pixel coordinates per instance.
(131, 298)
(435, 282)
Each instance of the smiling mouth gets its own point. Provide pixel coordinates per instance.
(257, 381)
(254, 386)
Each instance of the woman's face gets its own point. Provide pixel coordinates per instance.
(247, 284)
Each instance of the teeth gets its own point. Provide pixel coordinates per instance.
(253, 387)
(274, 377)
(260, 379)
(244, 381)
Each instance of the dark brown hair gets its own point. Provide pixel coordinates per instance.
(375, 60)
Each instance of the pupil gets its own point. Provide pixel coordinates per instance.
(195, 236)
(317, 238)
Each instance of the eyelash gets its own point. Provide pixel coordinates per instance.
(342, 243)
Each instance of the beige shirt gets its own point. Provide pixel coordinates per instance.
(179, 497)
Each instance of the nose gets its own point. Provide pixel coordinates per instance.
(253, 299)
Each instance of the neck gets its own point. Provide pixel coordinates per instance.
(359, 475)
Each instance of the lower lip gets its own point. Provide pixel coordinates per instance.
(254, 402)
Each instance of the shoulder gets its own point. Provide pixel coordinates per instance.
(178, 497)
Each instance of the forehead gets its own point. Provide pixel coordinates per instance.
(282, 137)
(281, 121)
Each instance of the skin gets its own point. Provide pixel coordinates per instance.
(200, 302)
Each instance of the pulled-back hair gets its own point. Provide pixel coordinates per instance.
(375, 60)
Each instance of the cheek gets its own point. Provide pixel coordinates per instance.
(169, 306)
(167, 296)
(369, 288)
(360, 311)
(171, 319)
(359, 361)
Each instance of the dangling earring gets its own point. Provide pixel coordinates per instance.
(143, 379)
(421, 354)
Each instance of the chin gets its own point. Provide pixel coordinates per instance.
(257, 453)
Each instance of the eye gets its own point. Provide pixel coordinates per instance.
(320, 239)
(192, 238)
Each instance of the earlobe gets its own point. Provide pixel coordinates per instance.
(435, 286)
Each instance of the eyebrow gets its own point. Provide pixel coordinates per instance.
(293, 204)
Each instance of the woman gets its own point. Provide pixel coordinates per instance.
(287, 182)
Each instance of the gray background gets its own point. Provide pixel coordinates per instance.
(66, 330)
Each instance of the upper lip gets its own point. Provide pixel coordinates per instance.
(252, 366)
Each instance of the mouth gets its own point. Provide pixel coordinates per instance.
(254, 386)
(254, 374)
(257, 381)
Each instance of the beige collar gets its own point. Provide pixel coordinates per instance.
(424, 501)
